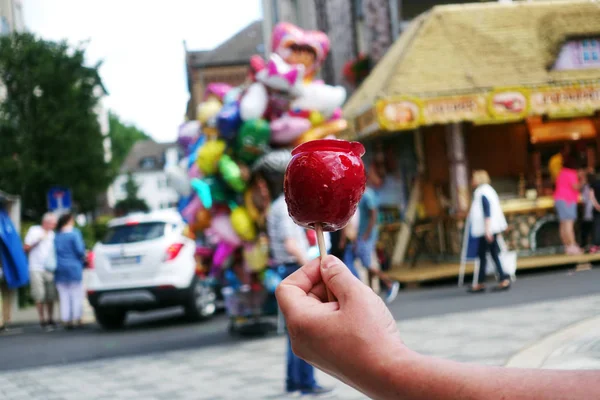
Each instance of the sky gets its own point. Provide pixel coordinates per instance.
(141, 45)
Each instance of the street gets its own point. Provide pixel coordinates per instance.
(168, 331)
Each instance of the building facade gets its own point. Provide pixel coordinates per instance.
(228, 63)
(11, 16)
(146, 162)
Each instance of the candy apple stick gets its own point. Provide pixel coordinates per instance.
(323, 253)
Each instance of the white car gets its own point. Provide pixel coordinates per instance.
(146, 263)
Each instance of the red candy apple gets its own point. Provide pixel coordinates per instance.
(324, 182)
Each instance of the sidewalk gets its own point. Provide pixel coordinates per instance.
(575, 347)
(29, 316)
(255, 369)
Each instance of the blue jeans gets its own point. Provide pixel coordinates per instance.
(364, 251)
(300, 374)
(349, 259)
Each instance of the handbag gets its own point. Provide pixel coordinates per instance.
(50, 264)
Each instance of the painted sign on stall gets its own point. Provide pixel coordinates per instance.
(399, 113)
(453, 109)
(508, 104)
(565, 101)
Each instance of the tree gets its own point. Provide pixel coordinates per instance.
(131, 203)
(49, 131)
(123, 136)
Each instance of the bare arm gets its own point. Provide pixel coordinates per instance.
(292, 248)
(371, 225)
(594, 200)
(416, 377)
(371, 357)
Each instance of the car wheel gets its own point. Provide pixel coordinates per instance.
(110, 319)
(202, 301)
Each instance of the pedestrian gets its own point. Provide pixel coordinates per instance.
(587, 223)
(289, 250)
(487, 221)
(39, 246)
(368, 234)
(594, 195)
(7, 296)
(70, 253)
(357, 340)
(566, 197)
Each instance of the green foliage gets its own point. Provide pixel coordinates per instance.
(131, 203)
(49, 132)
(123, 136)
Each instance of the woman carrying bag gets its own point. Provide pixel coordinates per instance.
(70, 252)
(487, 222)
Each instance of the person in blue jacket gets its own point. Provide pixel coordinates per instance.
(70, 253)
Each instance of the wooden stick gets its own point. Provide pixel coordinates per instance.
(323, 253)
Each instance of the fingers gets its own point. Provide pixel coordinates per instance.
(293, 291)
(338, 278)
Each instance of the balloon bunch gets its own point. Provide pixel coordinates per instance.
(239, 146)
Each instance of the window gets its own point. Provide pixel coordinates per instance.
(134, 233)
(590, 51)
(579, 54)
(148, 163)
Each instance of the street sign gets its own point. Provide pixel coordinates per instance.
(59, 199)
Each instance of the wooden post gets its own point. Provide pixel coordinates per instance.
(459, 173)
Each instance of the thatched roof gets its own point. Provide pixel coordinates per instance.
(472, 48)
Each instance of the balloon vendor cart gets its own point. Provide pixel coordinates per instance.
(237, 151)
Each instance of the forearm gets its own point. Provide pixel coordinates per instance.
(370, 227)
(416, 377)
(292, 248)
(488, 225)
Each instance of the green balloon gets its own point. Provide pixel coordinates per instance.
(253, 140)
(218, 190)
(231, 173)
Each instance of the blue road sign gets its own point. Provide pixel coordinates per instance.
(59, 198)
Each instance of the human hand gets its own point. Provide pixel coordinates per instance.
(489, 237)
(352, 339)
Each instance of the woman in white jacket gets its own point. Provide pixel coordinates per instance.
(487, 221)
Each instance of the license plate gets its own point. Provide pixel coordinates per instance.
(120, 261)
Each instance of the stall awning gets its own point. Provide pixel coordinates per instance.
(560, 131)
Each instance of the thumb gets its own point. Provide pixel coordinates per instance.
(338, 278)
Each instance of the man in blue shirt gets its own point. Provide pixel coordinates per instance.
(368, 233)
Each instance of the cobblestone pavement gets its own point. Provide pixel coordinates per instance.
(255, 369)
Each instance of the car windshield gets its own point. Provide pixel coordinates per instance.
(134, 233)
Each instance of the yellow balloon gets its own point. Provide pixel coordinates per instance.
(316, 118)
(243, 224)
(208, 110)
(250, 207)
(209, 155)
(321, 131)
(257, 256)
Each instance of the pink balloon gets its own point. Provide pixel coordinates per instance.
(222, 253)
(287, 129)
(190, 211)
(337, 114)
(222, 228)
(194, 171)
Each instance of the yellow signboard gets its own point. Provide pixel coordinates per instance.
(399, 113)
(565, 101)
(500, 105)
(445, 110)
(508, 104)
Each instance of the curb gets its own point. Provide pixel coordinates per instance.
(535, 355)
